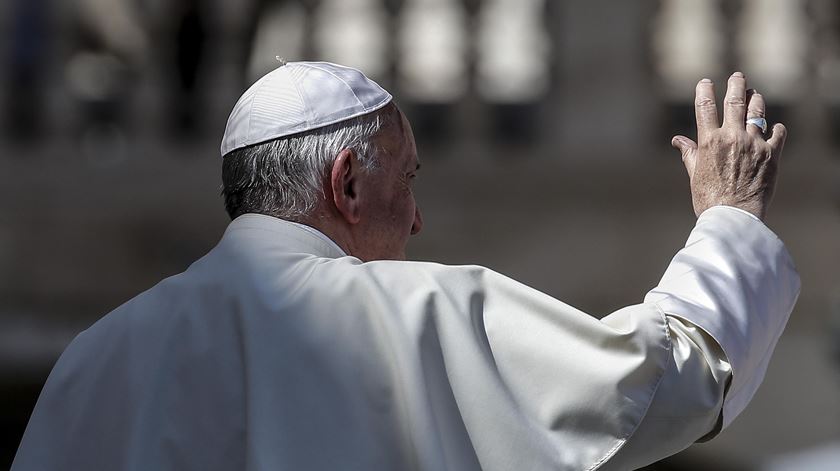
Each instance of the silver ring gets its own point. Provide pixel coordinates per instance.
(760, 123)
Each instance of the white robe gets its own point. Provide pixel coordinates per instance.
(276, 351)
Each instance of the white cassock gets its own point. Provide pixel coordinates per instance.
(276, 351)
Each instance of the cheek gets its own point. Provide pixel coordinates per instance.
(408, 209)
(397, 210)
(402, 202)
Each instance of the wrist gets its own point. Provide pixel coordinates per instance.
(735, 208)
(754, 209)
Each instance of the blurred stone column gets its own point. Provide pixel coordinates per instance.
(353, 33)
(774, 45)
(773, 39)
(513, 64)
(688, 40)
(432, 73)
(432, 47)
(279, 32)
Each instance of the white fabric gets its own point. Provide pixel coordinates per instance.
(298, 97)
(740, 296)
(276, 351)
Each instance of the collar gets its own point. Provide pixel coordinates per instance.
(296, 236)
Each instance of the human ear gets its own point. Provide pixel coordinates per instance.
(344, 182)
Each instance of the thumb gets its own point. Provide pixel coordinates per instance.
(688, 149)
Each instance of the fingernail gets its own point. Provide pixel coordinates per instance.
(705, 80)
(738, 74)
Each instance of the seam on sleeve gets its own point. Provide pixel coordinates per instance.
(731, 392)
(623, 440)
(696, 324)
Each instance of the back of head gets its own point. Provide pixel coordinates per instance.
(287, 128)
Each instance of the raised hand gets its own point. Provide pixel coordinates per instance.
(732, 164)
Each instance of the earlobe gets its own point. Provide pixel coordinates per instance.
(344, 185)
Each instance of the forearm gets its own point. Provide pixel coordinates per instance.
(727, 296)
(736, 281)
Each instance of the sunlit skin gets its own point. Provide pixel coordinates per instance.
(731, 164)
(371, 215)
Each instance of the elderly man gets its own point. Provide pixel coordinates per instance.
(304, 341)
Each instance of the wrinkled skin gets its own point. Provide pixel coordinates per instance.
(371, 214)
(731, 164)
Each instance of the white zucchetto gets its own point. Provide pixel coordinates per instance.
(298, 97)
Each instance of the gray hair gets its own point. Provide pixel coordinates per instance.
(285, 177)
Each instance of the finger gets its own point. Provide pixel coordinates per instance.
(688, 150)
(756, 108)
(705, 109)
(735, 104)
(777, 138)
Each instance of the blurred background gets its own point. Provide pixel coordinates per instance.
(543, 127)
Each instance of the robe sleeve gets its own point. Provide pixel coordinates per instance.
(736, 281)
(687, 404)
(727, 297)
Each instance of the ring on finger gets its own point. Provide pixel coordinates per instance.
(760, 123)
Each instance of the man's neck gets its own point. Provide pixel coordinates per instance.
(332, 229)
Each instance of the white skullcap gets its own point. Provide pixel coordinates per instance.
(297, 97)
